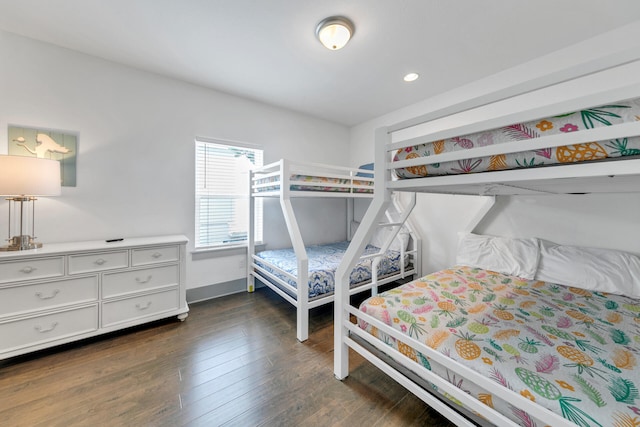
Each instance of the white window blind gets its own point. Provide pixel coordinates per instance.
(222, 193)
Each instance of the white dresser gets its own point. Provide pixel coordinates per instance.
(69, 291)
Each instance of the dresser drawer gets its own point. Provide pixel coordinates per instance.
(127, 282)
(41, 329)
(155, 255)
(129, 309)
(30, 269)
(98, 262)
(38, 296)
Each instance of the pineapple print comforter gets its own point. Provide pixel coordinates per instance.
(573, 351)
(606, 115)
(323, 263)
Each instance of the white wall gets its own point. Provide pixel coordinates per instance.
(135, 173)
(607, 220)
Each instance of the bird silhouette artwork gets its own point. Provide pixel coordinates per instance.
(44, 144)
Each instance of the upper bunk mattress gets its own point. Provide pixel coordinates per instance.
(606, 115)
(573, 351)
(317, 183)
(323, 263)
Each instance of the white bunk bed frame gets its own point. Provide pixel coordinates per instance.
(604, 176)
(281, 172)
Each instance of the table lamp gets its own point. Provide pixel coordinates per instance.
(21, 180)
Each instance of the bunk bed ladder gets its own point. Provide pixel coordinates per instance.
(416, 241)
(395, 224)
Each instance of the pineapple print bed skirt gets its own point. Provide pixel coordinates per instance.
(606, 115)
(573, 351)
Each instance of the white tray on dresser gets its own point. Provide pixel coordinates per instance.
(69, 291)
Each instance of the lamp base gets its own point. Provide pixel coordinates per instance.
(21, 243)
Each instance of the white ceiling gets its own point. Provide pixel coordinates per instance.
(266, 49)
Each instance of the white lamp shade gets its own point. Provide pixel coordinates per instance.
(29, 176)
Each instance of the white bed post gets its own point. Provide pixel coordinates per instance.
(350, 217)
(379, 204)
(302, 286)
(251, 246)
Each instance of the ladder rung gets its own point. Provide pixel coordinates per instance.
(390, 224)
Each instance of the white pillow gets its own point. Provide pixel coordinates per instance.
(512, 256)
(602, 270)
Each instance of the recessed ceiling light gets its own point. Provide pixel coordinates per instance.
(411, 77)
(334, 32)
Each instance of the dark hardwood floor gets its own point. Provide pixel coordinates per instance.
(235, 361)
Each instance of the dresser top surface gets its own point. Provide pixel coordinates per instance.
(95, 245)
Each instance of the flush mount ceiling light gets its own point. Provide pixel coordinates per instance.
(334, 32)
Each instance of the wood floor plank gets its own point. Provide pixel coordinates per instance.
(286, 377)
(235, 361)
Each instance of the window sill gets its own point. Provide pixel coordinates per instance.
(223, 251)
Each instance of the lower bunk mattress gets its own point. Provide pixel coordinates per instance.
(323, 263)
(573, 351)
(607, 115)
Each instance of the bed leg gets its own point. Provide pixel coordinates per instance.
(302, 328)
(340, 349)
(341, 362)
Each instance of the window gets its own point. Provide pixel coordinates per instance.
(222, 193)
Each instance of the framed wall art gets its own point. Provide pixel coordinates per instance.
(47, 144)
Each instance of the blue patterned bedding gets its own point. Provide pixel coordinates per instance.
(323, 263)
